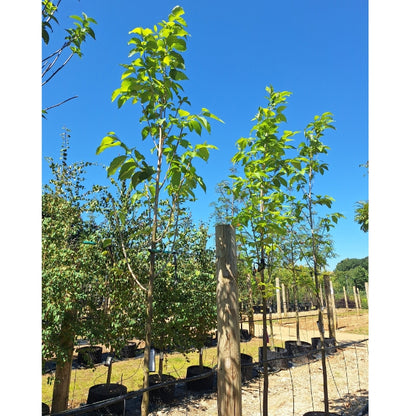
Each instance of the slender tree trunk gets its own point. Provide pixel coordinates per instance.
(64, 365)
(295, 295)
(152, 274)
(251, 327)
(265, 365)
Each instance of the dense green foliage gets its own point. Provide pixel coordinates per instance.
(351, 272)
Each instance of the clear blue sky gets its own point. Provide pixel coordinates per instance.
(318, 50)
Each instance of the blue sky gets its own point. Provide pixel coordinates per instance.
(316, 50)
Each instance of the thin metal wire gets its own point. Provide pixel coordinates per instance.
(333, 378)
(346, 371)
(358, 368)
(310, 384)
(293, 391)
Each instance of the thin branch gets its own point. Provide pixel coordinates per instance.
(63, 102)
(70, 56)
(129, 267)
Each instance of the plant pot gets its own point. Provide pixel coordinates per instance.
(246, 367)
(45, 409)
(283, 361)
(275, 359)
(244, 335)
(329, 344)
(203, 384)
(89, 355)
(129, 350)
(101, 392)
(299, 354)
(165, 394)
(320, 414)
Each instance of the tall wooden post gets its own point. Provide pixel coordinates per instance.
(354, 289)
(359, 298)
(284, 300)
(330, 306)
(346, 298)
(229, 362)
(278, 299)
(366, 292)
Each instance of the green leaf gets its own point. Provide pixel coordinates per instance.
(177, 11)
(179, 45)
(207, 113)
(177, 75)
(115, 164)
(203, 153)
(127, 170)
(110, 140)
(107, 242)
(196, 126)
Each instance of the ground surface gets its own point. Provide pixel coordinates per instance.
(292, 392)
(299, 389)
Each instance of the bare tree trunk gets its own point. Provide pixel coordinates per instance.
(265, 365)
(229, 401)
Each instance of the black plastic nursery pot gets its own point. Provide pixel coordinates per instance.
(299, 354)
(164, 394)
(129, 350)
(276, 360)
(246, 367)
(320, 414)
(244, 335)
(283, 360)
(101, 392)
(89, 355)
(328, 342)
(45, 409)
(203, 384)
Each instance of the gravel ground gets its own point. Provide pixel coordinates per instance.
(297, 390)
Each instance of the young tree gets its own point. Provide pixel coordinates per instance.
(308, 166)
(153, 80)
(266, 169)
(72, 273)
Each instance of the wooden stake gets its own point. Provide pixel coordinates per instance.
(366, 291)
(284, 300)
(330, 306)
(354, 289)
(229, 360)
(346, 298)
(278, 299)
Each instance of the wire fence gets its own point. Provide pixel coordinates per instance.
(295, 387)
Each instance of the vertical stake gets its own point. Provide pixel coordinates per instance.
(229, 360)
